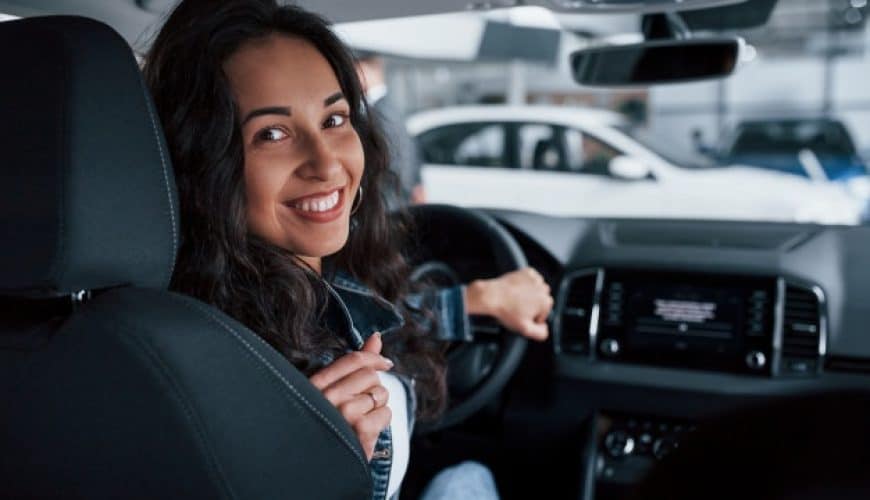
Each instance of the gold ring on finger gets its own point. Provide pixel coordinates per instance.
(374, 399)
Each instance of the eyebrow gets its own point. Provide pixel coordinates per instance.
(272, 110)
(285, 110)
(333, 98)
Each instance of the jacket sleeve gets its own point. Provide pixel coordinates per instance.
(446, 307)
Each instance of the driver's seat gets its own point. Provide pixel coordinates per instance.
(111, 386)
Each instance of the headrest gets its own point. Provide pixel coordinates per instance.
(87, 194)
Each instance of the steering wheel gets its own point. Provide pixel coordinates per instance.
(454, 246)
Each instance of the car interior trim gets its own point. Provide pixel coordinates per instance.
(595, 314)
(778, 321)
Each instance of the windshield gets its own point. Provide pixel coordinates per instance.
(663, 150)
(499, 122)
(790, 137)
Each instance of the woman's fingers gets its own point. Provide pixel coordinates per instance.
(534, 274)
(347, 364)
(373, 343)
(351, 385)
(363, 403)
(520, 300)
(535, 330)
(369, 427)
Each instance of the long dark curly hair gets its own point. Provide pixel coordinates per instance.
(220, 261)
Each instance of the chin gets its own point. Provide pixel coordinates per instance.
(322, 249)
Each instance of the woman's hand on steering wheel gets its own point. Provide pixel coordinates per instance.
(519, 300)
(352, 385)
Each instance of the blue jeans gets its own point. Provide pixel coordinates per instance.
(464, 481)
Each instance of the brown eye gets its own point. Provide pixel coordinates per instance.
(336, 120)
(271, 134)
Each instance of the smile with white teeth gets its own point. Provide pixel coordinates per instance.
(319, 204)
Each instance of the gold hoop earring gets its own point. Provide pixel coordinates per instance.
(357, 201)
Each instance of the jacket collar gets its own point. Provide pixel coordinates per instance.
(356, 309)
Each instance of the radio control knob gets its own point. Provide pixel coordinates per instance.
(618, 444)
(610, 347)
(756, 360)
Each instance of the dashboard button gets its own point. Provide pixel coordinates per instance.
(756, 360)
(619, 444)
(610, 347)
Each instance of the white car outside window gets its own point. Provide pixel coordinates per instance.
(567, 161)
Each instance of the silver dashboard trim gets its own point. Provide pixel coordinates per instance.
(596, 313)
(823, 317)
(562, 297)
(778, 326)
(823, 323)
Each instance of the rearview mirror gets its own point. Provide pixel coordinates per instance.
(628, 168)
(660, 61)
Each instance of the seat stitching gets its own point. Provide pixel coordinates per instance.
(163, 368)
(165, 181)
(276, 373)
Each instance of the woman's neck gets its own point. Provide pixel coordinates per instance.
(312, 262)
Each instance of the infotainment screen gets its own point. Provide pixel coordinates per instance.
(685, 319)
(685, 310)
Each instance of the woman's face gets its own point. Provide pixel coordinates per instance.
(303, 158)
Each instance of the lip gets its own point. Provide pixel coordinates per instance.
(320, 217)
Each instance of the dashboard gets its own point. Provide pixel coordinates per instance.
(753, 325)
(659, 325)
(830, 263)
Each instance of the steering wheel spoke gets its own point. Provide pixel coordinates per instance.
(457, 245)
(485, 327)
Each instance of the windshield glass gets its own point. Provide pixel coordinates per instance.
(499, 122)
(790, 137)
(663, 150)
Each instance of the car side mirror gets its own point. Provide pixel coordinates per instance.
(629, 168)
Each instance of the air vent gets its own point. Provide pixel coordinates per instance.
(577, 304)
(803, 333)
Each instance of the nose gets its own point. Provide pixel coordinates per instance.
(321, 162)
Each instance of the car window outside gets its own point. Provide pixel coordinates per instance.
(553, 148)
(478, 144)
(823, 137)
(539, 147)
(588, 154)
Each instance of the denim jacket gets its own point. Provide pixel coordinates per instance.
(358, 312)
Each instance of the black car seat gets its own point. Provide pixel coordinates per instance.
(110, 385)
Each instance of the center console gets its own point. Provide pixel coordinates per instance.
(752, 325)
(626, 448)
(639, 327)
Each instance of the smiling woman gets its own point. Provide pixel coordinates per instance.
(251, 125)
(296, 126)
(273, 147)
